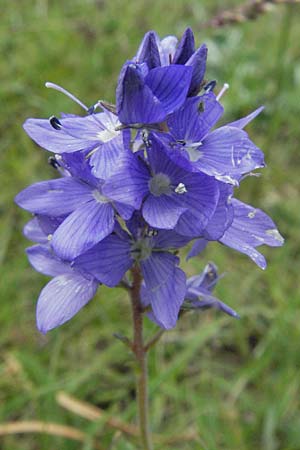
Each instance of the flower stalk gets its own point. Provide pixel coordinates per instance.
(140, 353)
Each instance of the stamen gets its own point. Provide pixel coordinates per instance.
(58, 88)
(210, 86)
(53, 162)
(170, 58)
(222, 91)
(152, 233)
(55, 123)
(181, 189)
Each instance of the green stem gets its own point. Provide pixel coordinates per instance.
(141, 358)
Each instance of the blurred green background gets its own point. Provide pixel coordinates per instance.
(236, 383)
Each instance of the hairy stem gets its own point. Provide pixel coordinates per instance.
(141, 358)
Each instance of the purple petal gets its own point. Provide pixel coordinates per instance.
(108, 261)
(124, 211)
(44, 260)
(34, 232)
(227, 153)
(157, 268)
(251, 228)
(205, 300)
(54, 197)
(165, 287)
(169, 239)
(223, 215)
(129, 183)
(167, 49)
(104, 160)
(200, 200)
(198, 247)
(186, 47)
(49, 224)
(148, 50)
(85, 227)
(241, 123)
(76, 133)
(198, 62)
(162, 212)
(62, 298)
(135, 100)
(207, 279)
(169, 85)
(195, 118)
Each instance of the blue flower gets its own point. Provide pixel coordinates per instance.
(146, 96)
(67, 292)
(109, 260)
(138, 182)
(155, 52)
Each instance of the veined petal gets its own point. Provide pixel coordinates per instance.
(166, 292)
(129, 183)
(104, 160)
(81, 230)
(62, 298)
(168, 239)
(195, 118)
(223, 215)
(198, 247)
(44, 260)
(125, 211)
(251, 228)
(227, 153)
(148, 50)
(169, 85)
(34, 232)
(54, 197)
(75, 133)
(136, 102)
(241, 123)
(198, 62)
(162, 212)
(185, 48)
(108, 261)
(200, 201)
(157, 268)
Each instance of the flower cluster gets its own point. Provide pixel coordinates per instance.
(137, 181)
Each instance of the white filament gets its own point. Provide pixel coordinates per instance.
(58, 88)
(223, 90)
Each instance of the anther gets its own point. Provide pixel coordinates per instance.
(55, 123)
(210, 86)
(152, 233)
(53, 162)
(180, 189)
(145, 137)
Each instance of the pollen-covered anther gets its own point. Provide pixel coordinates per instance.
(55, 123)
(180, 189)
